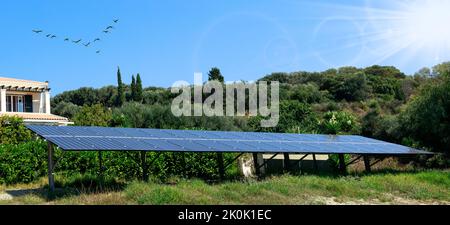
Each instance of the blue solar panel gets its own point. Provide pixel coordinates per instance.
(73, 138)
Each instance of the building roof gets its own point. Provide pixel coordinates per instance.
(18, 84)
(36, 116)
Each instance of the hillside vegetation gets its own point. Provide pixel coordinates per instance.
(377, 101)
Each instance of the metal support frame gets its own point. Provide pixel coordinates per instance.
(100, 169)
(316, 168)
(144, 165)
(286, 162)
(151, 162)
(132, 157)
(100, 163)
(228, 164)
(56, 162)
(299, 161)
(376, 161)
(51, 166)
(367, 163)
(342, 167)
(354, 160)
(143, 162)
(156, 157)
(51, 178)
(266, 161)
(220, 165)
(256, 164)
(183, 161)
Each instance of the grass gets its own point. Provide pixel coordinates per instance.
(425, 187)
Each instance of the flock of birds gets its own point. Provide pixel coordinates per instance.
(107, 30)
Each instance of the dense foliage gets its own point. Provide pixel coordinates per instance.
(24, 162)
(427, 119)
(12, 131)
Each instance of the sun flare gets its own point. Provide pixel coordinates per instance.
(428, 23)
(404, 31)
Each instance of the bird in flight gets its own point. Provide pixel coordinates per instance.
(98, 52)
(87, 44)
(115, 21)
(77, 41)
(53, 36)
(109, 27)
(97, 39)
(37, 31)
(48, 35)
(66, 39)
(106, 31)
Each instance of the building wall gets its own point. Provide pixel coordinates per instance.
(306, 165)
(36, 102)
(276, 165)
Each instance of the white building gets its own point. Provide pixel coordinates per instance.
(29, 100)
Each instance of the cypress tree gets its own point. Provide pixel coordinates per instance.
(133, 88)
(215, 74)
(138, 96)
(120, 89)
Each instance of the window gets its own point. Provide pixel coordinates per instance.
(19, 103)
(8, 104)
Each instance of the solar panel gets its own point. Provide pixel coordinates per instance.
(74, 138)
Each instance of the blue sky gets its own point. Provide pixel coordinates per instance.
(166, 41)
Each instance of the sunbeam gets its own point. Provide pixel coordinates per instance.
(415, 30)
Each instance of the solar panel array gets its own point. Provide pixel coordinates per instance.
(72, 138)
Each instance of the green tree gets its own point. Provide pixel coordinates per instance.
(66, 109)
(441, 69)
(215, 74)
(295, 117)
(308, 93)
(138, 89)
(95, 115)
(384, 71)
(107, 95)
(351, 87)
(120, 89)
(133, 88)
(81, 96)
(280, 77)
(427, 117)
(348, 70)
(13, 131)
(425, 72)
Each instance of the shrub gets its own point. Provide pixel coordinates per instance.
(66, 109)
(308, 93)
(95, 115)
(339, 123)
(438, 161)
(427, 117)
(333, 160)
(294, 116)
(12, 130)
(349, 87)
(23, 163)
